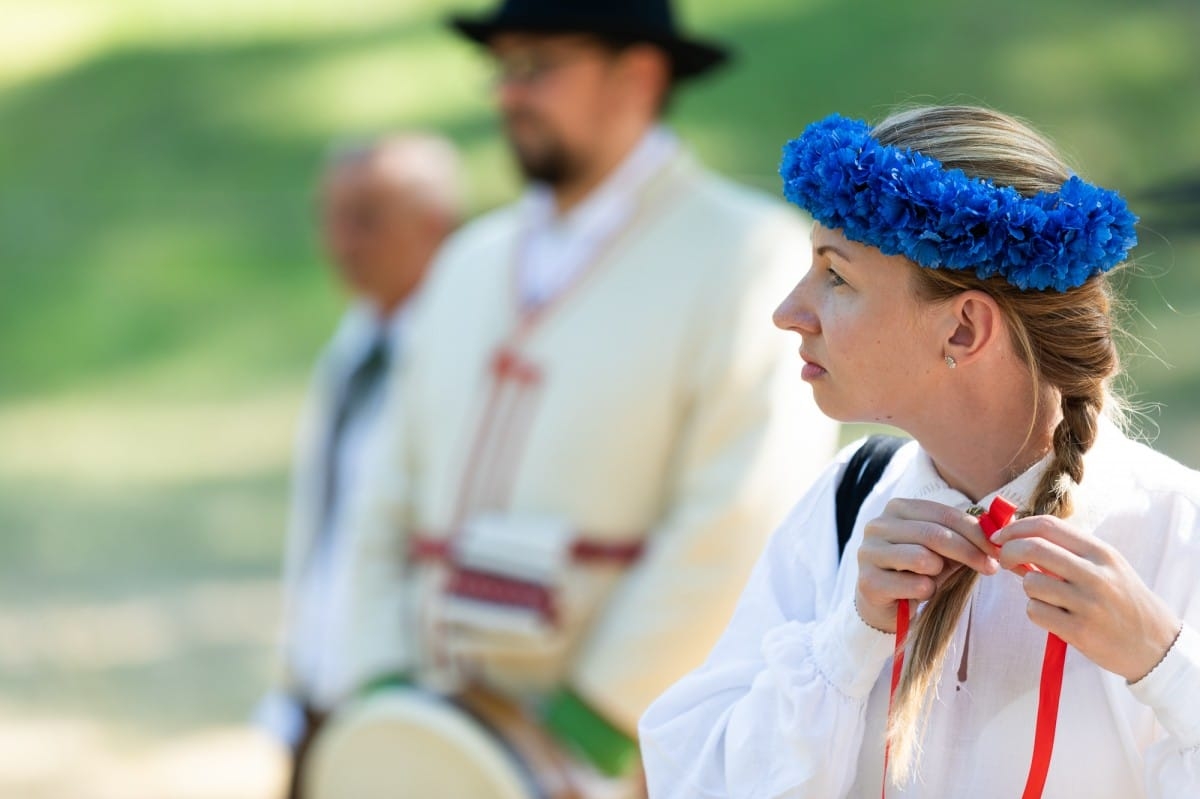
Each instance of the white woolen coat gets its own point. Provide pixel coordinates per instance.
(653, 402)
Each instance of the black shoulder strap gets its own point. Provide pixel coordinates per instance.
(863, 471)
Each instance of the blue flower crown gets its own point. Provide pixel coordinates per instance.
(906, 203)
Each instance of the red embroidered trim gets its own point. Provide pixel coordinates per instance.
(427, 547)
(490, 588)
(511, 435)
(622, 553)
(483, 432)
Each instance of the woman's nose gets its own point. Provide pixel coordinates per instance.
(795, 313)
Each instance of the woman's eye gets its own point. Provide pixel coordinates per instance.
(835, 279)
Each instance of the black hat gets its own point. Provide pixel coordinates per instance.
(630, 20)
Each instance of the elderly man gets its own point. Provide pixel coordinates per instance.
(385, 210)
(600, 426)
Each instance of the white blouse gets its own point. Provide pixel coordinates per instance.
(792, 702)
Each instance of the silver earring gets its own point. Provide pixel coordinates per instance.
(951, 362)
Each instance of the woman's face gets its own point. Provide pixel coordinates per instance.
(870, 347)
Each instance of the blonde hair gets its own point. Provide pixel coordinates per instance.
(1067, 341)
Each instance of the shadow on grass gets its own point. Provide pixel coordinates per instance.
(155, 203)
(67, 540)
(140, 217)
(153, 608)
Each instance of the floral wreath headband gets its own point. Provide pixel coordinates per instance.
(906, 203)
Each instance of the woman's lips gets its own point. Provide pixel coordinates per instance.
(812, 370)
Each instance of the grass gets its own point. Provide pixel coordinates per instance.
(161, 298)
(155, 196)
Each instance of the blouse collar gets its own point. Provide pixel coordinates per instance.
(922, 481)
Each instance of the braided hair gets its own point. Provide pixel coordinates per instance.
(1066, 340)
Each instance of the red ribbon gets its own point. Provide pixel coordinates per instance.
(1053, 664)
(902, 616)
(1049, 691)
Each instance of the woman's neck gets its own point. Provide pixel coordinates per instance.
(982, 444)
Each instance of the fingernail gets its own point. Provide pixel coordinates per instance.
(993, 565)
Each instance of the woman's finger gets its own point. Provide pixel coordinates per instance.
(1053, 591)
(946, 542)
(946, 516)
(905, 557)
(1021, 553)
(1056, 531)
(885, 587)
(1050, 618)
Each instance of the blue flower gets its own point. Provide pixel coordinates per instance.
(906, 203)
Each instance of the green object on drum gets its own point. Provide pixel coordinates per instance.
(394, 679)
(575, 724)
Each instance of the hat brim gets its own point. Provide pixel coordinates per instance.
(690, 58)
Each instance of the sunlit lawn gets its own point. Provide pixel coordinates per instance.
(161, 299)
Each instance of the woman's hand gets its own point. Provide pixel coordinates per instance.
(1086, 593)
(909, 551)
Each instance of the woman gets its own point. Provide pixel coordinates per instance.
(972, 311)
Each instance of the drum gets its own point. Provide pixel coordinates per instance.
(403, 743)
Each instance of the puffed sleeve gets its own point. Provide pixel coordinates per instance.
(777, 710)
(1172, 691)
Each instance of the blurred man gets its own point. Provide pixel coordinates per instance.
(385, 210)
(600, 426)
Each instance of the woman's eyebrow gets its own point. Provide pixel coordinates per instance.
(839, 252)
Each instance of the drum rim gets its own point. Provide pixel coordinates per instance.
(431, 715)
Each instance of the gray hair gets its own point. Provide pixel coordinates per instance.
(423, 165)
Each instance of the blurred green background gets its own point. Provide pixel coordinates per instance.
(161, 297)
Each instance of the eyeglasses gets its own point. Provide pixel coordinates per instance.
(530, 67)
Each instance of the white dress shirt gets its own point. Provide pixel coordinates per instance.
(320, 603)
(317, 570)
(793, 700)
(558, 246)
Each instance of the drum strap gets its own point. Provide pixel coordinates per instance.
(546, 763)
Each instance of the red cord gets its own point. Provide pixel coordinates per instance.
(1053, 664)
(1049, 691)
(902, 616)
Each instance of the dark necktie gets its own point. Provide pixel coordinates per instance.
(360, 385)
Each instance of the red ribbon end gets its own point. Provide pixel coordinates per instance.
(999, 514)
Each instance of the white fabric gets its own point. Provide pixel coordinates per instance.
(531, 549)
(281, 716)
(665, 409)
(557, 246)
(316, 573)
(793, 700)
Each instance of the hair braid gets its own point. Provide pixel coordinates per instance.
(1072, 438)
(1064, 339)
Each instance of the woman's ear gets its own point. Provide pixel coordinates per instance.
(976, 322)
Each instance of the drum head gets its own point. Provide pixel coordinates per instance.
(402, 744)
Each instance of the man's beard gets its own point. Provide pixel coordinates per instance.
(550, 167)
(547, 162)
